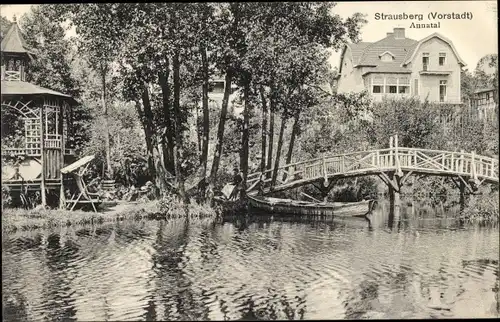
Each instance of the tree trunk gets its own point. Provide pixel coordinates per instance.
(206, 115)
(147, 120)
(245, 133)
(178, 135)
(278, 150)
(264, 129)
(198, 130)
(295, 130)
(107, 139)
(235, 7)
(148, 137)
(168, 133)
(222, 123)
(271, 131)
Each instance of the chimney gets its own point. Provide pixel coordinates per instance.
(389, 34)
(399, 33)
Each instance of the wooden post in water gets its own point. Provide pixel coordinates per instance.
(394, 201)
(462, 195)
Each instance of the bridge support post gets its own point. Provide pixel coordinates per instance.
(394, 183)
(462, 195)
(465, 190)
(394, 190)
(394, 200)
(324, 189)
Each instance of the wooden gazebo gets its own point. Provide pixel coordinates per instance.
(36, 123)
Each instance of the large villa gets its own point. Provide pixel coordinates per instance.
(397, 66)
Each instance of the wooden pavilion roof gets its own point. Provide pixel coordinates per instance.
(13, 42)
(20, 88)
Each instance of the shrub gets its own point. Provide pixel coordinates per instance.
(482, 209)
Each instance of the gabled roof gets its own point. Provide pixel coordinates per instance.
(434, 35)
(13, 42)
(403, 50)
(357, 50)
(397, 47)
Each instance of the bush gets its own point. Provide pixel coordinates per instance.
(482, 209)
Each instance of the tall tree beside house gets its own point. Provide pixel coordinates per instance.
(286, 53)
(229, 17)
(468, 84)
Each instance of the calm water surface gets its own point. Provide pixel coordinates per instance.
(254, 268)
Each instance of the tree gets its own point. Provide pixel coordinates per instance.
(100, 36)
(228, 18)
(4, 26)
(288, 50)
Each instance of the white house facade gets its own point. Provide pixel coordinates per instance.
(397, 66)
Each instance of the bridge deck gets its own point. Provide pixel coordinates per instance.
(400, 160)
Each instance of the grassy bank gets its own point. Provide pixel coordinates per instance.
(21, 219)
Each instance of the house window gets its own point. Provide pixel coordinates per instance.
(386, 57)
(378, 85)
(404, 89)
(442, 90)
(404, 85)
(392, 85)
(442, 59)
(425, 60)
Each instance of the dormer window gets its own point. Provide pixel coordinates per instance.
(386, 56)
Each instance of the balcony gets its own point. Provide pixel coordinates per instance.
(436, 70)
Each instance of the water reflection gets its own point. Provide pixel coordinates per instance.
(254, 268)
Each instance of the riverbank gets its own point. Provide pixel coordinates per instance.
(14, 219)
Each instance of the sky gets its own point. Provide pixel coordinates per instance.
(473, 38)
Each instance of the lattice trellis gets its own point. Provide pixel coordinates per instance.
(26, 109)
(32, 133)
(52, 114)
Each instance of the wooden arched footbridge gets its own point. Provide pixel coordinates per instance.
(392, 165)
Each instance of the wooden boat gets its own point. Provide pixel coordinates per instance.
(229, 205)
(296, 207)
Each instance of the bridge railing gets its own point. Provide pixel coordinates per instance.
(390, 159)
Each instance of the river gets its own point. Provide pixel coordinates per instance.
(424, 266)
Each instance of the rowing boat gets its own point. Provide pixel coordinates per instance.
(297, 207)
